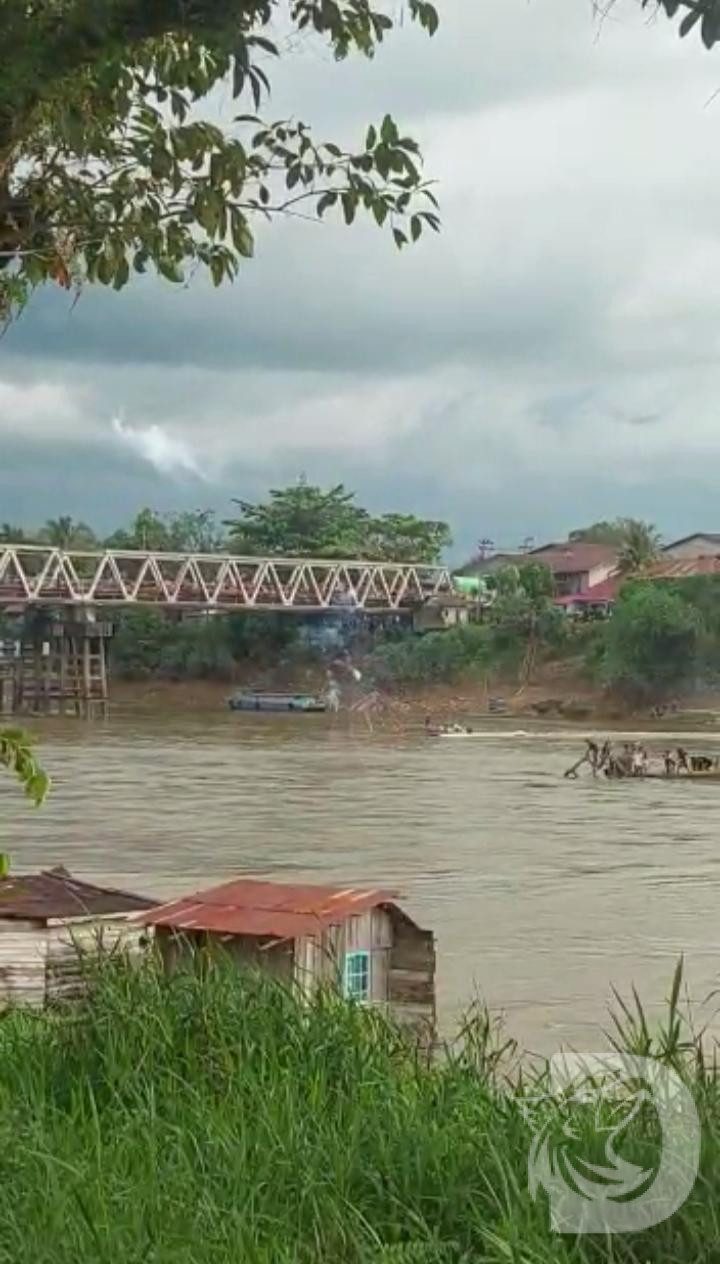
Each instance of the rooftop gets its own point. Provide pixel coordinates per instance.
(682, 568)
(249, 907)
(599, 594)
(713, 536)
(566, 558)
(54, 893)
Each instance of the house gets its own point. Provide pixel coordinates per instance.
(701, 544)
(593, 603)
(487, 563)
(443, 611)
(46, 920)
(576, 567)
(357, 939)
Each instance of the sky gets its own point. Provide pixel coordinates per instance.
(552, 358)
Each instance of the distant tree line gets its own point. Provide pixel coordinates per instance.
(297, 521)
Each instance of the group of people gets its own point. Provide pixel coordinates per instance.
(632, 760)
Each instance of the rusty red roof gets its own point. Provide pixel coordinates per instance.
(568, 558)
(249, 907)
(55, 893)
(682, 568)
(599, 593)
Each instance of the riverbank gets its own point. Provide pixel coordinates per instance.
(556, 695)
(211, 1117)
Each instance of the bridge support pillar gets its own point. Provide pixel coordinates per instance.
(59, 667)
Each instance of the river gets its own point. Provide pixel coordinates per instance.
(542, 892)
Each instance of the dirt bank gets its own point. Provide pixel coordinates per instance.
(555, 694)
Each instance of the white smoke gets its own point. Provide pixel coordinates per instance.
(168, 454)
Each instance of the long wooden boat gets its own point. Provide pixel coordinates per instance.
(712, 775)
(259, 700)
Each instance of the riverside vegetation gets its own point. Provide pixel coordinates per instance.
(663, 637)
(212, 1116)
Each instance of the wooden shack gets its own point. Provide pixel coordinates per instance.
(47, 920)
(359, 940)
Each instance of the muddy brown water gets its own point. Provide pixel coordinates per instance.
(542, 892)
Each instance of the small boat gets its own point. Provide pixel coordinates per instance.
(260, 700)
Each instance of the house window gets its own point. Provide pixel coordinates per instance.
(356, 981)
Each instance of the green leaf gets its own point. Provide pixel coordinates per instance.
(415, 227)
(400, 238)
(388, 132)
(327, 200)
(169, 269)
(349, 205)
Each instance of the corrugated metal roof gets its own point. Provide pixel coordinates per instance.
(682, 568)
(249, 907)
(55, 893)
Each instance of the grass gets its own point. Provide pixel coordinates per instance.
(217, 1120)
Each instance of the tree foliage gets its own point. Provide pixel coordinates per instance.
(701, 15)
(639, 548)
(193, 531)
(306, 521)
(652, 640)
(107, 166)
(637, 542)
(16, 755)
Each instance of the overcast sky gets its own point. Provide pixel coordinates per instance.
(552, 358)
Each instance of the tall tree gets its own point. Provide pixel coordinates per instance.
(523, 612)
(637, 542)
(107, 166)
(301, 521)
(652, 640)
(640, 546)
(65, 533)
(405, 538)
(306, 521)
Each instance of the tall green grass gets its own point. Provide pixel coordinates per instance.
(215, 1119)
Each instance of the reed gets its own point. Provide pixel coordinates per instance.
(215, 1118)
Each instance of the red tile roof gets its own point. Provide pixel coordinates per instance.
(249, 907)
(572, 559)
(598, 594)
(55, 893)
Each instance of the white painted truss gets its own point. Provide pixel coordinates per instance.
(36, 575)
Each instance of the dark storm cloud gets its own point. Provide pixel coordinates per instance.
(551, 357)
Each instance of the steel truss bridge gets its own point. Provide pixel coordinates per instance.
(32, 575)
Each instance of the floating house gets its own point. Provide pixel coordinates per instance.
(357, 939)
(47, 919)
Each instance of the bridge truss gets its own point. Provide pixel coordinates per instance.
(45, 576)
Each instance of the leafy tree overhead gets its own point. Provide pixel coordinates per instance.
(305, 521)
(703, 15)
(108, 167)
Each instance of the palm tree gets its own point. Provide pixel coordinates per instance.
(65, 533)
(640, 546)
(10, 534)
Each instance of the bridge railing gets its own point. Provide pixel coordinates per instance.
(42, 575)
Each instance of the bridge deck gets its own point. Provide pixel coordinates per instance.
(36, 575)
